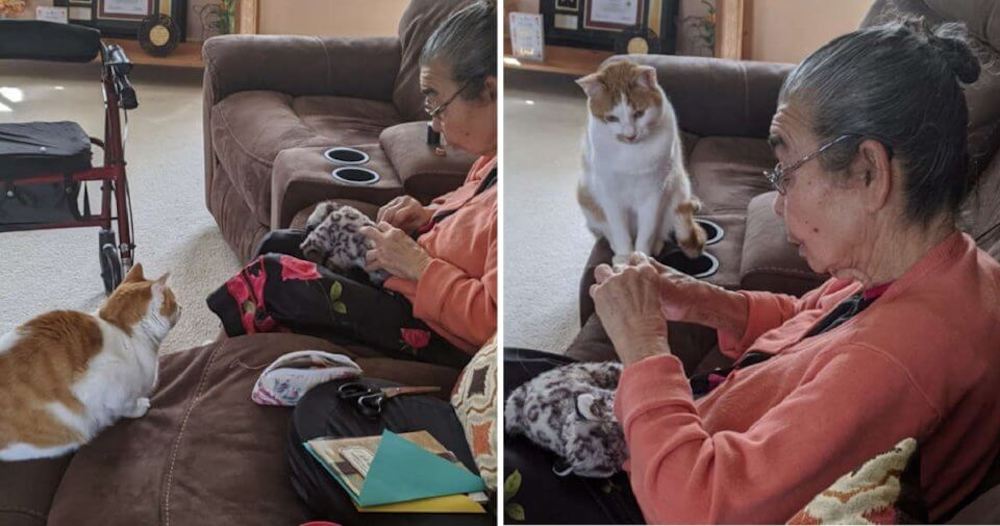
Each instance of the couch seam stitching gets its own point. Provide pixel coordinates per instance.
(180, 435)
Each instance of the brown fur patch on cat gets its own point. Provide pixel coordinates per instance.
(695, 243)
(135, 294)
(622, 78)
(52, 350)
(587, 201)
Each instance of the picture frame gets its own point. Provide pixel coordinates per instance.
(527, 36)
(123, 18)
(615, 15)
(565, 26)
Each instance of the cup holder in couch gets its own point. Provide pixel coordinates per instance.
(355, 175)
(713, 232)
(702, 266)
(343, 155)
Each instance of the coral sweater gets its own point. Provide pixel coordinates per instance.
(457, 294)
(922, 361)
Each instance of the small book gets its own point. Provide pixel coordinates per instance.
(406, 473)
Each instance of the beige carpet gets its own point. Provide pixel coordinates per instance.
(545, 241)
(59, 269)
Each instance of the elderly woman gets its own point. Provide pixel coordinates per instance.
(448, 275)
(870, 136)
(439, 304)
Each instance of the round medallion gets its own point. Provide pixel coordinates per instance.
(637, 42)
(637, 46)
(158, 35)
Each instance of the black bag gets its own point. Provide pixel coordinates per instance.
(34, 148)
(23, 205)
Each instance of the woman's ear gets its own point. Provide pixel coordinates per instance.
(491, 88)
(873, 165)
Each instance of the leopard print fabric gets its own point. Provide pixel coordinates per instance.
(335, 240)
(568, 410)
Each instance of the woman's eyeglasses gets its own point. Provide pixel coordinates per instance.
(434, 112)
(778, 177)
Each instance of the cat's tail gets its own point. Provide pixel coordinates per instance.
(690, 235)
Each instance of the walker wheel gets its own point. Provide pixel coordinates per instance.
(111, 262)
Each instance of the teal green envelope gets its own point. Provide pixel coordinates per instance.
(403, 471)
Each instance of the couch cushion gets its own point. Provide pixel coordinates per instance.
(416, 25)
(425, 175)
(205, 453)
(727, 172)
(250, 128)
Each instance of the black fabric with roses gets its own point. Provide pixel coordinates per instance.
(278, 291)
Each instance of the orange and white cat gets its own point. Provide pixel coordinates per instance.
(66, 375)
(635, 190)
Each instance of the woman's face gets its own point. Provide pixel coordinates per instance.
(469, 124)
(823, 214)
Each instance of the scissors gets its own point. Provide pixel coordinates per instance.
(370, 398)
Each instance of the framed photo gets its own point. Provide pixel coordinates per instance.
(123, 18)
(527, 39)
(602, 24)
(572, 6)
(124, 9)
(614, 15)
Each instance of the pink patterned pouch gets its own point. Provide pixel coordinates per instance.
(288, 379)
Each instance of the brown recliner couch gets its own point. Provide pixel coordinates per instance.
(724, 110)
(274, 104)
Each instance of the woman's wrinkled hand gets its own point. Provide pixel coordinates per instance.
(627, 300)
(405, 213)
(690, 300)
(395, 252)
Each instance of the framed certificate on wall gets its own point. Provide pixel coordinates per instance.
(603, 24)
(123, 18)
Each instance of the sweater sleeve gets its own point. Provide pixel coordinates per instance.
(464, 305)
(766, 311)
(855, 404)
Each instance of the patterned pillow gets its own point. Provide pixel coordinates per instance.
(475, 402)
(884, 490)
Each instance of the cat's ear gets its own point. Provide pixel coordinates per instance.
(591, 84)
(134, 274)
(647, 76)
(162, 280)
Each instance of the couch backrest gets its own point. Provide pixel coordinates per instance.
(419, 21)
(981, 212)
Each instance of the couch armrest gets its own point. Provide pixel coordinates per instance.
(297, 65)
(301, 178)
(732, 98)
(301, 65)
(424, 174)
(769, 261)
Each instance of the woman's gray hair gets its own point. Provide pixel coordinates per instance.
(897, 84)
(467, 42)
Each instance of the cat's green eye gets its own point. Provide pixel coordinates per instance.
(610, 118)
(638, 114)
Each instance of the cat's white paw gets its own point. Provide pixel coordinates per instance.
(619, 259)
(140, 409)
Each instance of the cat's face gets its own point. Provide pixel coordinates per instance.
(138, 299)
(625, 99)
